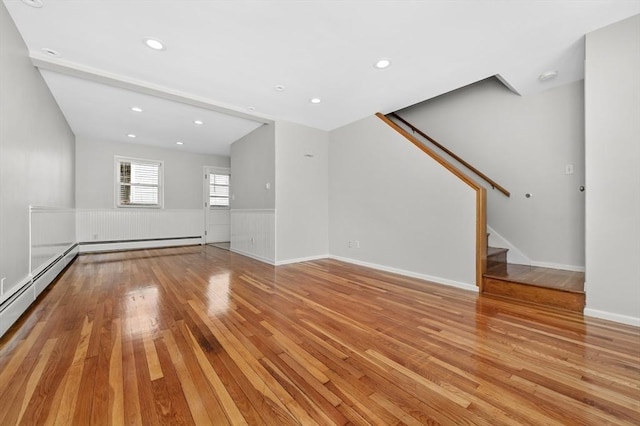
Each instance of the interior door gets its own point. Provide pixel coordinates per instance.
(216, 205)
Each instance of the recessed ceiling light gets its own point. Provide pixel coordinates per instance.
(279, 88)
(51, 52)
(315, 100)
(33, 3)
(548, 75)
(154, 43)
(383, 63)
(198, 122)
(131, 135)
(136, 109)
(179, 143)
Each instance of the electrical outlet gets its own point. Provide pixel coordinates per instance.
(349, 244)
(95, 236)
(357, 244)
(253, 240)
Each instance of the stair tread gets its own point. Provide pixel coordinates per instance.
(568, 281)
(492, 251)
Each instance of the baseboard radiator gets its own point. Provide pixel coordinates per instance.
(52, 246)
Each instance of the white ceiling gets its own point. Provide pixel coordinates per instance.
(103, 112)
(227, 56)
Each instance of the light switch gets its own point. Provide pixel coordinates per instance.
(568, 169)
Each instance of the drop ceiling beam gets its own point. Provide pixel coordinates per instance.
(99, 76)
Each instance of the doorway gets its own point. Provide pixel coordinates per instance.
(216, 205)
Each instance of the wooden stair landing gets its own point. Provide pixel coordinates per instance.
(546, 286)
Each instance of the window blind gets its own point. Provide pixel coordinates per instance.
(218, 190)
(139, 183)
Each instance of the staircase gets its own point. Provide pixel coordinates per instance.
(497, 260)
(545, 286)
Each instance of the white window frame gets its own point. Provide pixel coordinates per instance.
(214, 171)
(120, 159)
(211, 206)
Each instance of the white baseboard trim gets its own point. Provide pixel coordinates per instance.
(624, 319)
(96, 247)
(436, 280)
(301, 259)
(573, 268)
(253, 256)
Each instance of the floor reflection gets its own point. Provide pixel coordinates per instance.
(141, 311)
(218, 300)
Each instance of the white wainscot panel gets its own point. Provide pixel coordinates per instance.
(52, 232)
(253, 234)
(137, 224)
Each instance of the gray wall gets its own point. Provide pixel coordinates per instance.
(523, 143)
(183, 173)
(36, 151)
(302, 224)
(612, 105)
(253, 161)
(407, 212)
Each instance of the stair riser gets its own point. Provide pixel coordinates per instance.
(544, 296)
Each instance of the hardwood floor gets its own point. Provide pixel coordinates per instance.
(199, 335)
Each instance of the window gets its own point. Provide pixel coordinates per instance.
(218, 190)
(138, 183)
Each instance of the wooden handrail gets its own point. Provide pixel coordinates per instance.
(491, 182)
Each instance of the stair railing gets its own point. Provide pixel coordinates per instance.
(494, 184)
(481, 196)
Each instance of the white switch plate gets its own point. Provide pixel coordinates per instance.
(568, 169)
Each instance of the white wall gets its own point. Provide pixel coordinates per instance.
(253, 214)
(98, 218)
(36, 153)
(301, 192)
(183, 173)
(404, 209)
(252, 168)
(612, 105)
(523, 143)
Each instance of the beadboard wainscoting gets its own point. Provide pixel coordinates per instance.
(118, 229)
(52, 246)
(253, 233)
